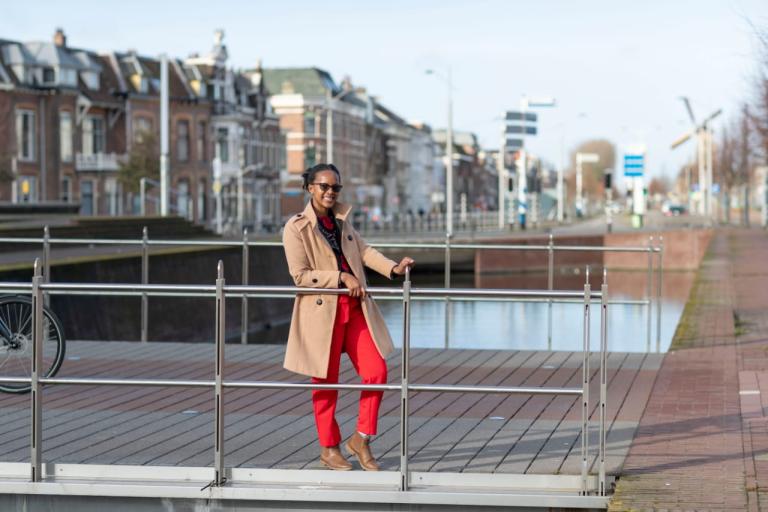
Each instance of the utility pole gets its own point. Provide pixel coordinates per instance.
(164, 124)
(501, 169)
(449, 166)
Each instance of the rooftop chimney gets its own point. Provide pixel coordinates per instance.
(59, 39)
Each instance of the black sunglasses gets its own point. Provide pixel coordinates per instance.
(325, 187)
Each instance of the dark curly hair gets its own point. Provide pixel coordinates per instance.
(309, 175)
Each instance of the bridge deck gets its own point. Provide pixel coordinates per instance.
(275, 429)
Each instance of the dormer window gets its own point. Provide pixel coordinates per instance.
(68, 77)
(49, 76)
(91, 79)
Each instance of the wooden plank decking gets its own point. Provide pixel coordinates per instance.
(275, 429)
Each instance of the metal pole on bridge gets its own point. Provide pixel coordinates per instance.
(244, 306)
(660, 279)
(585, 389)
(36, 438)
(550, 286)
(46, 261)
(447, 285)
(649, 294)
(144, 281)
(218, 389)
(603, 377)
(404, 370)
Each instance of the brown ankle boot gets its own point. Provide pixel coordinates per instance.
(332, 458)
(358, 446)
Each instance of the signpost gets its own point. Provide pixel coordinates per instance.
(634, 168)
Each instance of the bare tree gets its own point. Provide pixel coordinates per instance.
(143, 162)
(726, 168)
(759, 112)
(743, 154)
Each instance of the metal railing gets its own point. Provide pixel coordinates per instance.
(220, 291)
(448, 246)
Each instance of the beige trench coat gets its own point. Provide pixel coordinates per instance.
(312, 263)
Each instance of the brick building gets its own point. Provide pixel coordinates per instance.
(70, 117)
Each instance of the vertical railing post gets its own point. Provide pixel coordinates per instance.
(585, 373)
(36, 438)
(218, 389)
(603, 377)
(143, 196)
(404, 367)
(144, 281)
(447, 286)
(46, 261)
(649, 294)
(244, 304)
(659, 282)
(550, 286)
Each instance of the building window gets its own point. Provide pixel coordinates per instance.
(142, 126)
(27, 189)
(202, 198)
(183, 199)
(94, 136)
(65, 194)
(182, 141)
(309, 123)
(112, 189)
(86, 197)
(25, 134)
(49, 76)
(222, 144)
(65, 136)
(91, 79)
(202, 141)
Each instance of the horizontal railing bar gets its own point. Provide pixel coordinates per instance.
(120, 287)
(274, 291)
(387, 245)
(440, 388)
(488, 292)
(417, 388)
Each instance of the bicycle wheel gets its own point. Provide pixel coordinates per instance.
(16, 342)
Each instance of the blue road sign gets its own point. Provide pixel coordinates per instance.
(634, 165)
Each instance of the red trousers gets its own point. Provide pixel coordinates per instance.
(350, 335)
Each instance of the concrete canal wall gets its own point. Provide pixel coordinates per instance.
(683, 250)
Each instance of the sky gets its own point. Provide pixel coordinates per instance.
(616, 68)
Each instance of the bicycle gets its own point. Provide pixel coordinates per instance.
(16, 342)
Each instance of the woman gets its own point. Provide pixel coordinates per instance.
(324, 251)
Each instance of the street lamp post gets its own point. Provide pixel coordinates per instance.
(448, 153)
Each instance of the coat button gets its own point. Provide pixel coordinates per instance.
(319, 302)
(349, 237)
(314, 280)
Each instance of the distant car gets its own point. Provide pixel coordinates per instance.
(674, 210)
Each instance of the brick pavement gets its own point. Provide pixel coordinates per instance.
(702, 443)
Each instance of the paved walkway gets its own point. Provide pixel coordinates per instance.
(702, 442)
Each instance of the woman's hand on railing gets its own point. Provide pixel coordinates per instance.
(404, 263)
(351, 282)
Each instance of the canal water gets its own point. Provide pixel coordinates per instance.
(524, 326)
